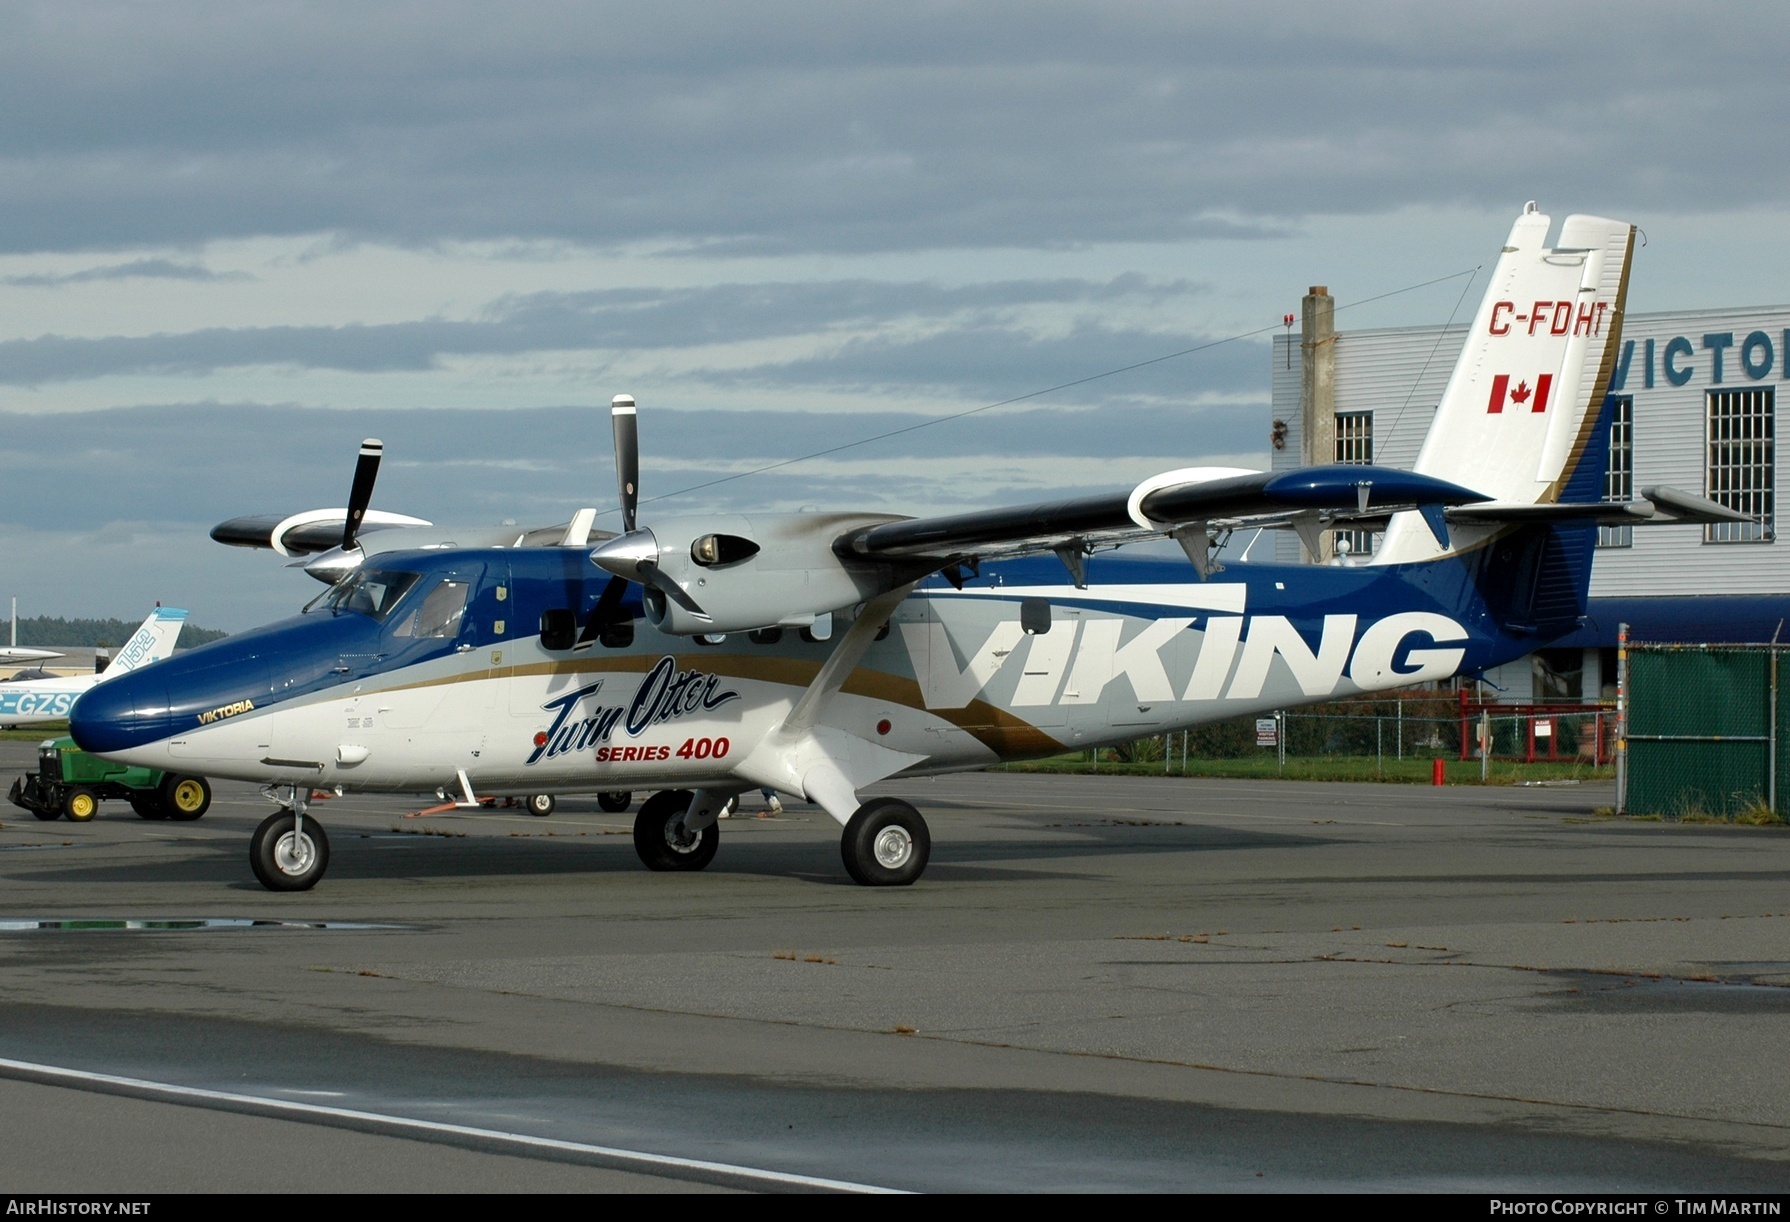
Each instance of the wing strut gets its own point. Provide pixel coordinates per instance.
(826, 765)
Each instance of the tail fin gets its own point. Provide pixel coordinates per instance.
(150, 643)
(1521, 409)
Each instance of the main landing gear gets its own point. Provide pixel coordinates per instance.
(289, 851)
(886, 842)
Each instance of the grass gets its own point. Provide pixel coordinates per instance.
(1324, 768)
(35, 734)
(1753, 813)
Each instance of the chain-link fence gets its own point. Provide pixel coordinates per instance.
(1702, 733)
(1392, 732)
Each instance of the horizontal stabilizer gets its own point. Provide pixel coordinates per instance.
(1660, 506)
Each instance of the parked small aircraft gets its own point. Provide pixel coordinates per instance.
(815, 654)
(28, 701)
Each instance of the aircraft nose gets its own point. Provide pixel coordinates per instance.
(121, 713)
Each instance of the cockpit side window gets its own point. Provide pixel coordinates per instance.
(439, 615)
(371, 592)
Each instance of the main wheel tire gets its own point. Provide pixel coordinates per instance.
(284, 861)
(148, 804)
(662, 840)
(55, 812)
(886, 844)
(185, 797)
(80, 804)
(615, 801)
(541, 804)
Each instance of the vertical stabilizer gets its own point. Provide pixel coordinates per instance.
(150, 643)
(1527, 392)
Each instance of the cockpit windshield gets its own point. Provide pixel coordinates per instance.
(372, 592)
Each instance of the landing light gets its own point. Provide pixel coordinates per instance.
(722, 549)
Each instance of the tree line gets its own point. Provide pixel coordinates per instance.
(49, 631)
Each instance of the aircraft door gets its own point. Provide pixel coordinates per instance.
(431, 626)
(485, 630)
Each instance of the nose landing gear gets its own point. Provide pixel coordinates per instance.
(289, 851)
(665, 841)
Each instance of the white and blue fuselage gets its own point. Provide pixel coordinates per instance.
(1016, 664)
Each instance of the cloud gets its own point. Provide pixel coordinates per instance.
(202, 463)
(649, 319)
(155, 269)
(993, 362)
(814, 127)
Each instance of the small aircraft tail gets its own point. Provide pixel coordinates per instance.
(150, 643)
(1519, 419)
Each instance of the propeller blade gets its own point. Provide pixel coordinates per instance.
(627, 456)
(605, 612)
(361, 494)
(656, 577)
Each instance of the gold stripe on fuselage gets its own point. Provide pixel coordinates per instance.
(994, 727)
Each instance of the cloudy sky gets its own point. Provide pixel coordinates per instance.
(234, 240)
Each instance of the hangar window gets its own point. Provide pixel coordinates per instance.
(1742, 463)
(1619, 481)
(1355, 444)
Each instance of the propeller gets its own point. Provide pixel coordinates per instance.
(633, 555)
(606, 612)
(366, 470)
(626, 424)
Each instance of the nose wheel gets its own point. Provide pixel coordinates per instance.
(886, 844)
(289, 852)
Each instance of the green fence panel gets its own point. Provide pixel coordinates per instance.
(1677, 779)
(1703, 692)
(1705, 699)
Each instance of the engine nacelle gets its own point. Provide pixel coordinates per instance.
(754, 571)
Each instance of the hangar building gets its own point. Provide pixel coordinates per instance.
(1695, 407)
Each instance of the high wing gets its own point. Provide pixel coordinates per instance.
(328, 543)
(1190, 505)
(303, 534)
(13, 655)
(1193, 506)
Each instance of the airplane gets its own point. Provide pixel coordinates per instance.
(815, 654)
(12, 655)
(32, 700)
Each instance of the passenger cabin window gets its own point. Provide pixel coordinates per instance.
(439, 615)
(559, 628)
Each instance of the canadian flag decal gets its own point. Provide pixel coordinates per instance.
(1521, 393)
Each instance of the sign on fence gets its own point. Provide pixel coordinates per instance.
(1267, 732)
